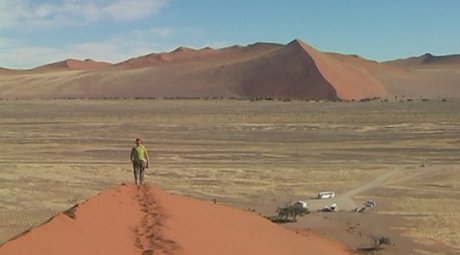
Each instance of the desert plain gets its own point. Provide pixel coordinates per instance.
(254, 155)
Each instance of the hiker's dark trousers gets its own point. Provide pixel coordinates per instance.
(138, 169)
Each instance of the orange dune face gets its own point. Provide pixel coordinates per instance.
(349, 75)
(146, 220)
(105, 224)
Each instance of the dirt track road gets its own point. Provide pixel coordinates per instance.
(345, 200)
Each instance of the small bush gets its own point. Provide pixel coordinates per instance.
(378, 244)
(383, 240)
(290, 213)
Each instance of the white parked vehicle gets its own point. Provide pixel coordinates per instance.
(330, 208)
(326, 194)
(301, 204)
(370, 204)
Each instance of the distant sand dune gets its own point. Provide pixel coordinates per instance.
(428, 60)
(349, 76)
(73, 64)
(295, 71)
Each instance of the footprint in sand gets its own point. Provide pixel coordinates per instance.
(147, 252)
(148, 234)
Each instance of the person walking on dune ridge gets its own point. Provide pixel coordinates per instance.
(140, 159)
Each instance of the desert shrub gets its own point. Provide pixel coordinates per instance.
(378, 244)
(253, 99)
(291, 212)
(368, 99)
(380, 241)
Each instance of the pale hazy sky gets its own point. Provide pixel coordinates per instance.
(36, 32)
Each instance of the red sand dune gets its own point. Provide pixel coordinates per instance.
(295, 70)
(350, 76)
(6, 71)
(428, 60)
(424, 76)
(74, 64)
(187, 55)
(146, 220)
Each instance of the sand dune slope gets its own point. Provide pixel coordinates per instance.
(6, 70)
(189, 55)
(130, 220)
(350, 76)
(294, 70)
(73, 64)
(286, 72)
(424, 76)
(428, 61)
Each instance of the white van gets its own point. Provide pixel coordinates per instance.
(326, 194)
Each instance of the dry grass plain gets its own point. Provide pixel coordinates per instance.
(258, 155)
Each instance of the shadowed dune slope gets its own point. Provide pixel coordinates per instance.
(286, 72)
(146, 220)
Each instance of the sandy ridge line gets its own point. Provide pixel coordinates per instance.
(149, 235)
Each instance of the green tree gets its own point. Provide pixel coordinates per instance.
(290, 213)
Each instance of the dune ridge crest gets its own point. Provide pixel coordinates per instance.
(428, 60)
(146, 220)
(73, 64)
(350, 75)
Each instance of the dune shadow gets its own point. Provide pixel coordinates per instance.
(368, 250)
(147, 252)
(71, 212)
